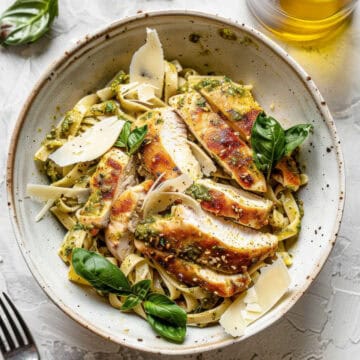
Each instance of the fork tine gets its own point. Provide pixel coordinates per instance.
(21, 321)
(7, 334)
(14, 327)
(2, 346)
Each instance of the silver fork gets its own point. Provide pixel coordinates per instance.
(20, 345)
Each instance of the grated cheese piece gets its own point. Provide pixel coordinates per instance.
(232, 320)
(44, 210)
(49, 192)
(271, 285)
(159, 201)
(145, 92)
(147, 63)
(91, 144)
(206, 164)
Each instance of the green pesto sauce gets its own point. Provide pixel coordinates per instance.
(94, 203)
(234, 90)
(144, 231)
(52, 134)
(182, 101)
(191, 252)
(66, 124)
(52, 171)
(227, 34)
(234, 115)
(121, 78)
(207, 84)
(110, 107)
(78, 226)
(199, 192)
(201, 102)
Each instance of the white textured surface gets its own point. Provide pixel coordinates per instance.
(325, 323)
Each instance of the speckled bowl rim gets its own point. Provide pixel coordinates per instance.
(298, 71)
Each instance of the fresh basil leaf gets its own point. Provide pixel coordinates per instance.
(166, 330)
(267, 142)
(26, 21)
(136, 138)
(139, 292)
(141, 288)
(162, 307)
(99, 272)
(124, 135)
(295, 136)
(130, 302)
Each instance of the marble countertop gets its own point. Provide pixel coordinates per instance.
(325, 323)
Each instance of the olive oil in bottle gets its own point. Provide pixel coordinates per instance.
(302, 20)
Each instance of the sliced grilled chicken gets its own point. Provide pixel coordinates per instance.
(111, 176)
(232, 100)
(238, 205)
(196, 275)
(220, 140)
(287, 173)
(206, 239)
(123, 220)
(166, 149)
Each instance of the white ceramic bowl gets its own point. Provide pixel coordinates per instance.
(252, 58)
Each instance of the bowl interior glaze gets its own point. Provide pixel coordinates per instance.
(279, 83)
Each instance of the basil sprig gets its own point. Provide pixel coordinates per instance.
(295, 136)
(164, 315)
(99, 272)
(162, 307)
(26, 21)
(270, 142)
(129, 139)
(167, 330)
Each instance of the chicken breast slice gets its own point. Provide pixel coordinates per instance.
(124, 217)
(112, 175)
(195, 275)
(207, 240)
(234, 101)
(219, 140)
(166, 149)
(227, 201)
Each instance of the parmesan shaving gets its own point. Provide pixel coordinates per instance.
(147, 63)
(49, 192)
(178, 184)
(145, 92)
(152, 188)
(206, 164)
(127, 88)
(232, 319)
(44, 210)
(253, 308)
(271, 285)
(91, 144)
(159, 201)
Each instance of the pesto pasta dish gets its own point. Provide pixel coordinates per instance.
(178, 195)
